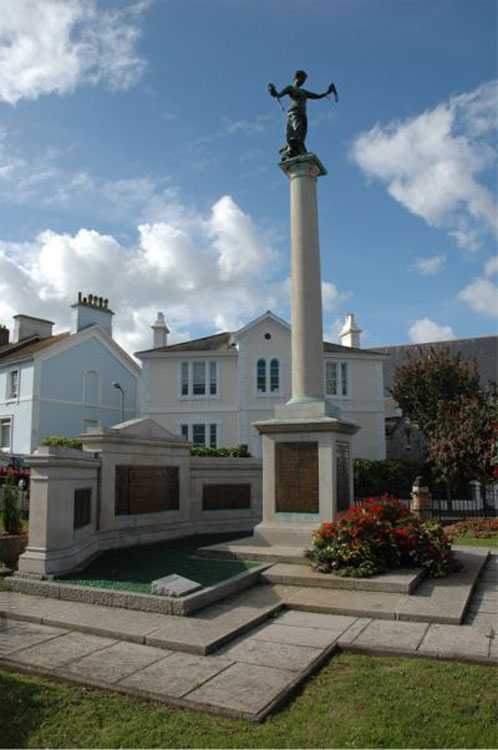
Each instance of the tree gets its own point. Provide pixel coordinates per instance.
(423, 382)
(465, 439)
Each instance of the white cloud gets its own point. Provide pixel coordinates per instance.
(430, 266)
(481, 296)
(491, 267)
(52, 46)
(206, 272)
(426, 330)
(431, 163)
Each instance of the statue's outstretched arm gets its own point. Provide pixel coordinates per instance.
(331, 90)
(273, 91)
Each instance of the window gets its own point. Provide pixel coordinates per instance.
(261, 375)
(13, 384)
(337, 379)
(268, 378)
(5, 434)
(201, 434)
(199, 379)
(274, 375)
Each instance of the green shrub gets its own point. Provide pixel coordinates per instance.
(372, 478)
(240, 451)
(63, 442)
(11, 514)
(381, 534)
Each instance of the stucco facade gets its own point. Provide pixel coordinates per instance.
(246, 374)
(63, 384)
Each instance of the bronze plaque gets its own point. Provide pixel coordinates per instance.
(342, 471)
(146, 489)
(296, 477)
(82, 507)
(226, 496)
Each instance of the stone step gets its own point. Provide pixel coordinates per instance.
(199, 634)
(248, 549)
(437, 600)
(397, 581)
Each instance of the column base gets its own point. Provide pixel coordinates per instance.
(307, 408)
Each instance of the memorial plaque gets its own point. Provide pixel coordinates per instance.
(146, 489)
(342, 472)
(82, 507)
(226, 496)
(296, 477)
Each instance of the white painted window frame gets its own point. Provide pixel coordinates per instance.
(339, 363)
(268, 392)
(10, 419)
(208, 363)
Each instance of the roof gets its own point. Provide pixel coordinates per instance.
(483, 348)
(220, 342)
(28, 347)
(224, 342)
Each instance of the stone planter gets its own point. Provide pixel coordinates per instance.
(11, 547)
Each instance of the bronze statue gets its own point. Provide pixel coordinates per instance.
(297, 122)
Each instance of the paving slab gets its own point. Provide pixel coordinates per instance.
(115, 662)
(249, 549)
(243, 688)
(294, 635)
(55, 652)
(386, 636)
(335, 624)
(341, 602)
(353, 631)
(454, 642)
(29, 608)
(397, 581)
(17, 635)
(252, 650)
(176, 674)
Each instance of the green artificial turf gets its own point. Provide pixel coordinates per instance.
(133, 568)
(355, 701)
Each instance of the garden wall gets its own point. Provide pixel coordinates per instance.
(131, 484)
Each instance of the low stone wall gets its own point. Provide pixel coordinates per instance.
(132, 484)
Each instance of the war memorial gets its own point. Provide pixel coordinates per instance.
(241, 647)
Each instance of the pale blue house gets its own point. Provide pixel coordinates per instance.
(62, 384)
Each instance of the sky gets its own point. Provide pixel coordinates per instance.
(139, 162)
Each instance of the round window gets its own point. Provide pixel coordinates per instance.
(267, 336)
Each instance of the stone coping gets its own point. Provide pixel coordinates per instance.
(181, 606)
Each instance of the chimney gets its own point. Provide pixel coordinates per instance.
(159, 332)
(4, 335)
(26, 326)
(91, 311)
(350, 334)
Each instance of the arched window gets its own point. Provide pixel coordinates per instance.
(261, 376)
(91, 392)
(274, 375)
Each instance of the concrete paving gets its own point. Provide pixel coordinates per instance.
(271, 651)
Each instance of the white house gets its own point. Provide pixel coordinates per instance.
(212, 389)
(61, 384)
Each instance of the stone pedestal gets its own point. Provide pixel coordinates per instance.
(307, 463)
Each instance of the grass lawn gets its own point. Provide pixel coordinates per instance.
(133, 568)
(491, 541)
(355, 701)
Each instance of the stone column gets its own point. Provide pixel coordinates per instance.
(306, 292)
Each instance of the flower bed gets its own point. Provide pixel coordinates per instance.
(379, 535)
(474, 528)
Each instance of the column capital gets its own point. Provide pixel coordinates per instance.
(308, 165)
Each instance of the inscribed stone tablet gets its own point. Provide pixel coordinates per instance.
(296, 477)
(174, 585)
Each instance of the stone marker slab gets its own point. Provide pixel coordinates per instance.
(174, 585)
(116, 662)
(54, 653)
(176, 675)
(247, 688)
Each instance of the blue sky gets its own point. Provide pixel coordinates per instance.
(139, 151)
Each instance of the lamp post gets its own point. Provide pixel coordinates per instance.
(121, 391)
